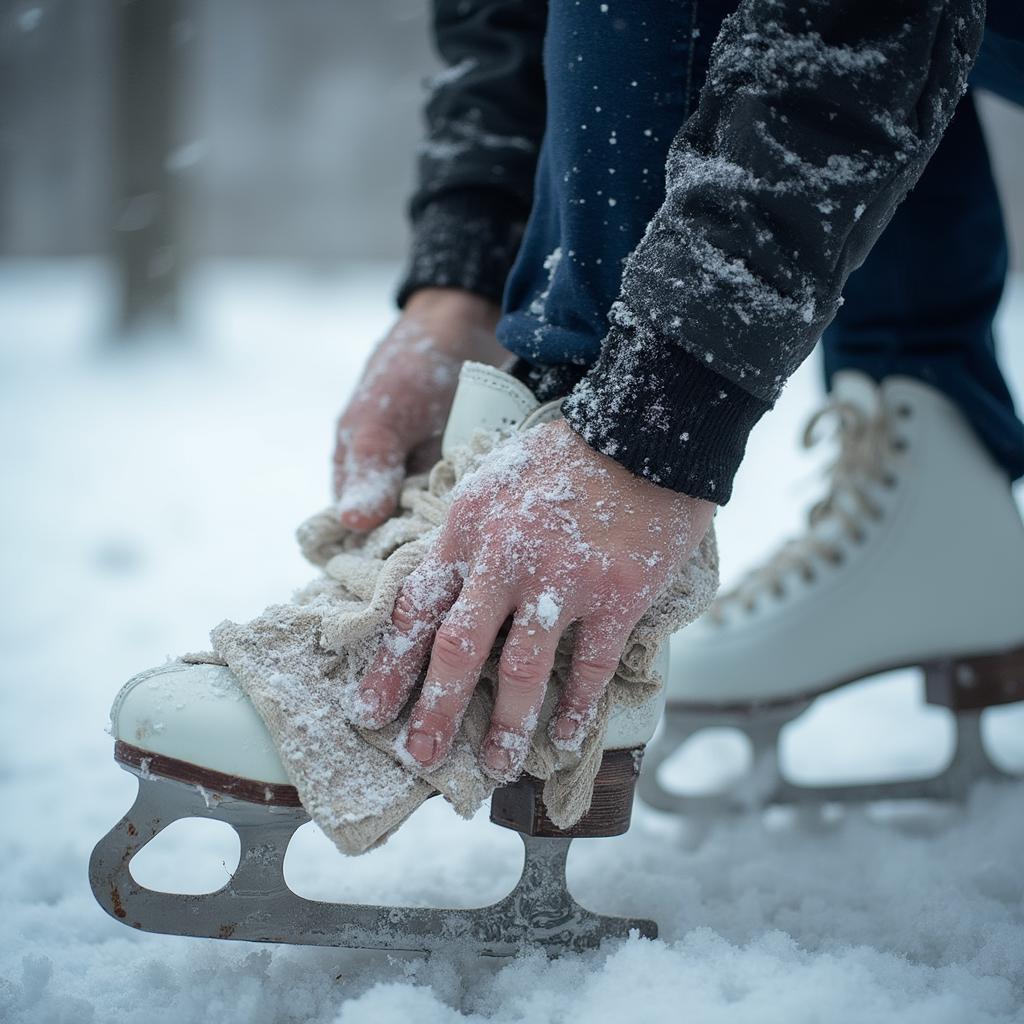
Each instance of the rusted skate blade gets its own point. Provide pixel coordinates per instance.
(965, 685)
(257, 905)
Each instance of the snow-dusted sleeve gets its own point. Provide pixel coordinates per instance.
(485, 120)
(816, 119)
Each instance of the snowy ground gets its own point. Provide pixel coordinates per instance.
(148, 495)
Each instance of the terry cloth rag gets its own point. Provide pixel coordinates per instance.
(300, 663)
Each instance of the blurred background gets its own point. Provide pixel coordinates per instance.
(201, 226)
(159, 135)
(162, 134)
(202, 222)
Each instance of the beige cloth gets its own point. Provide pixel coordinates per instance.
(300, 664)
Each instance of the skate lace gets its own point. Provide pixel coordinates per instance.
(863, 440)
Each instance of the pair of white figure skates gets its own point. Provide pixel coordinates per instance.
(914, 559)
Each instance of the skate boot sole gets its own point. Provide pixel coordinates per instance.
(256, 904)
(966, 685)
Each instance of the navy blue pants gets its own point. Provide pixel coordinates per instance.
(623, 76)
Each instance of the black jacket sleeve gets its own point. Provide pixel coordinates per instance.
(485, 120)
(816, 119)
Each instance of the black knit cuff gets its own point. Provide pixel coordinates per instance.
(655, 409)
(464, 239)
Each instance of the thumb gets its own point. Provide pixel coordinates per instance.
(370, 477)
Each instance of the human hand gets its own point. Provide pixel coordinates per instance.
(400, 405)
(548, 532)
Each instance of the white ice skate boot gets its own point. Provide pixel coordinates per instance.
(200, 750)
(915, 558)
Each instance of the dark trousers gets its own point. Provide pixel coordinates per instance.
(620, 83)
(924, 301)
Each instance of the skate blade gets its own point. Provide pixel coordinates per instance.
(257, 905)
(766, 785)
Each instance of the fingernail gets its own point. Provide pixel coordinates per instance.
(566, 731)
(422, 746)
(563, 728)
(496, 758)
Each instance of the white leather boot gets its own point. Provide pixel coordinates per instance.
(914, 558)
(201, 750)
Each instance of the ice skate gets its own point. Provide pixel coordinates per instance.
(200, 749)
(914, 559)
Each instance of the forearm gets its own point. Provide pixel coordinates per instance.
(816, 119)
(485, 120)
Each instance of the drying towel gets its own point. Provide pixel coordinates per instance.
(300, 663)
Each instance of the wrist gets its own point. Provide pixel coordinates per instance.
(452, 303)
(624, 477)
(459, 323)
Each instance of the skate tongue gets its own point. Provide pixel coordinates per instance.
(486, 399)
(857, 389)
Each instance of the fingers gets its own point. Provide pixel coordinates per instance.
(419, 608)
(523, 673)
(598, 647)
(461, 646)
(369, 468)
(459, 643)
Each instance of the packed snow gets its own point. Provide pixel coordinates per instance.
(151, 493)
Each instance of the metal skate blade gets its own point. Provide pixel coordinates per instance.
(766, 785)
(257, 905)
(753, 791)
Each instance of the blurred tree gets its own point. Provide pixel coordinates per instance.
(151, 43)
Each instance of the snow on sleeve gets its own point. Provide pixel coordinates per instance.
(811, 128)
(816, 118)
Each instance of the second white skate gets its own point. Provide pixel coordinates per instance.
(915, 558)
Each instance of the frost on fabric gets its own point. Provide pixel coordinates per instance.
(776, 187)
(538, 307)
(451, 75)
(456, 248)
(770, 287)
(460, 137)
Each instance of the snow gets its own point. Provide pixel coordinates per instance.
(186, 156)
(549, 607)
(29, 19)
(150, 494)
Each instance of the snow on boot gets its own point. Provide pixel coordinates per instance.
(914, 558)
(200, 749)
